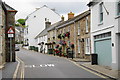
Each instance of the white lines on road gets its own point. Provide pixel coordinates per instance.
(39, 66)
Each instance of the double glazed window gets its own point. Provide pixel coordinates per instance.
(86, 24)
(101, 12)
(87, 46)
(118, 8)
(79, 28)
(78, 45)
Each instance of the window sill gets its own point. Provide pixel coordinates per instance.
(118, 16)
(101, 23)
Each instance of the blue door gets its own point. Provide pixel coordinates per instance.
(103, 49)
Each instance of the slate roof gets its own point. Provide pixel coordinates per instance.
(44, 32)
(7, 7)
(76, 18)
(61, 24)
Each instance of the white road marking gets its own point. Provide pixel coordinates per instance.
(39, 66)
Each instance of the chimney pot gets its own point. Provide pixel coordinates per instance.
(70, 15)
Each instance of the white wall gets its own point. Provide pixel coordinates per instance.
(37, 24)
(110, 23)
(42, 39)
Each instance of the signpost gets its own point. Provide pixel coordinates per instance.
(10, 35)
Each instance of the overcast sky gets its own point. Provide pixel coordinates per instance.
(62, 7)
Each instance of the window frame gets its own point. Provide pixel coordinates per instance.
(79, 46)
(118, 6)
(78, 28)
(87, 46)
(101, 12)
(87, 25)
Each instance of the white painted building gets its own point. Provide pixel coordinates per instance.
(36, 23)
(105, 32)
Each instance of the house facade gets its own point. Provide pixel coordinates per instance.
(35, 23)
(7, 18)
(105, 32)
(2, 35)
(75, 31)
(19, 34)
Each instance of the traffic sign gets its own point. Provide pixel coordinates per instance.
(10, 31)
(10, 35)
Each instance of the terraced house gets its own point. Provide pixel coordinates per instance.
(73, 32)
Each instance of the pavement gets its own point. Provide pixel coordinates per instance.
(106, 71)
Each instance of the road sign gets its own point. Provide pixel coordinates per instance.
(10, 31)
(10, 35)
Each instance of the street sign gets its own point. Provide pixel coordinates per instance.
(10, 35)
(10, 31)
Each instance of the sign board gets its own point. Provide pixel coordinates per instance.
(10, 35)
(10, 31)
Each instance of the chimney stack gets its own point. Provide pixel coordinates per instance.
(62, 18)
(70, 15)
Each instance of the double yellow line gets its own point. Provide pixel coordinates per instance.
(20, 64)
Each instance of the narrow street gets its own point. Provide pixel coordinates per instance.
(37, 65)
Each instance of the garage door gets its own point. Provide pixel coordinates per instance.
(103, 49)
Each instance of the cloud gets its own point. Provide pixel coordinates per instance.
(25, 7)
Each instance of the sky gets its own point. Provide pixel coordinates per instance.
(62, 7)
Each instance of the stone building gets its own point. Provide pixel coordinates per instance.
(7, 18)
(75, 31)
(2, 34)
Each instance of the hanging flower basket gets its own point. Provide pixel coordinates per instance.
(67, 34)
(54, 43)
(63, 35)
(42, 42)
(59, 36)
(60, 48)
(72, 46)
(63, 43)
(57, 46)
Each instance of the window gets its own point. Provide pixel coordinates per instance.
(101, 12)
(78, 45)
(0, 43)
(87, 47)
(79, 28)
(118, 8)
(68, 28)
(86, 24)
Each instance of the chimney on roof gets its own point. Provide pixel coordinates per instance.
(37, 8)
(70, 15)
(62, 18)
(47, 23)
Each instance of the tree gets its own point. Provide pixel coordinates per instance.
(21, 23)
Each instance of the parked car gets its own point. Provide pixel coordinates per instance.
(17, 48)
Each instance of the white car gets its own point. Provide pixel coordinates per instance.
(17, 48)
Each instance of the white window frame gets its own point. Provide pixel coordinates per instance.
(118, 6)
(87, 46)
(68, 28)
(101, 12)
(78, 28)
(79, 46)
(87, 25)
